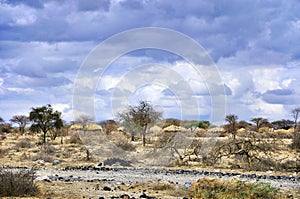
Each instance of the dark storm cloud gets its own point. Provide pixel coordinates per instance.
(280, 96)
(42, 44)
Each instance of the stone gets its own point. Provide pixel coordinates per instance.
(56, 162)
(106, 188)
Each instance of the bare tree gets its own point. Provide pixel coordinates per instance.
(109, 126)
(232, 124)
(296, 115)
(84, 120)
(296, 139)
(259, 122)
(139, 118)
(21, 120)
(253, 150)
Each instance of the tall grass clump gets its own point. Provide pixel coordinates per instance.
(17, 183)
(214, 188)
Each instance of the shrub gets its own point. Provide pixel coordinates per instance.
(2, 137)
(3, 152)
(48, 149)
(5, 128)
(214, 188)
(125, 145)
(46, 152)
(164, 139)
(18, 183)
(24, 143)
(296, 141)
(75, 139)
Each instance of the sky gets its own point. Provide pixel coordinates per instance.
(252, 46)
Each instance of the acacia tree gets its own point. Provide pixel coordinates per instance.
(84, 120)
(109, 126)
(45, 119)
(21, 120)
(296, 115)
(232, 123)
(1, 120)
(259, 122)
(137, 119)
(296, 139)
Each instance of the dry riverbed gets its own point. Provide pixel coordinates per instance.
(112, 182)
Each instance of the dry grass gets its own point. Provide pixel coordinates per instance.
(19, 183)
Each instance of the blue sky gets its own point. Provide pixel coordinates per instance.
(254, 44)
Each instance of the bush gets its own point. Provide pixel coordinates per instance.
(3, 152)
(48, 149)
(5, 128)
(46, 152)
(75, 139)
(25, 143)
(2, 137)
(18, 183)
(164, 139)
(125, 145)
(214, 188)
(296, 141)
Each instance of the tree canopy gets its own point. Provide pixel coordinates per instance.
(259, 122)
(137, 119)
(45, 119)
(232, 123)
(21, 120)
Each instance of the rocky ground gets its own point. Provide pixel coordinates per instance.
(63, 171)
(129, 182)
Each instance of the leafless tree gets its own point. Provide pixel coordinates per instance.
(139, 118)
(251, 149)
(296, 115)
(232, 124)
(84, 120)
(296, 138)
(21, 120)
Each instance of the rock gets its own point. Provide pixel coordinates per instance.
(56, 162)
(106, 188)
(43, 178)
(40, 162)
(187, 185)
(125, 196)
(117, 161)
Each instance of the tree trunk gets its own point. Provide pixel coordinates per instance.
(132, 138)
(44, 137)
(144, 139)
(144, 135)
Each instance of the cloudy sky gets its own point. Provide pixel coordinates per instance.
(255, 46)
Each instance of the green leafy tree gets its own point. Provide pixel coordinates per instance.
(203, 124)
(45, 119)
(283, 124)
(171, 121)
(21, 120)
(137, 119)
(1, 120)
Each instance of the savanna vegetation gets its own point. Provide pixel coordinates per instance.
(140, 132)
